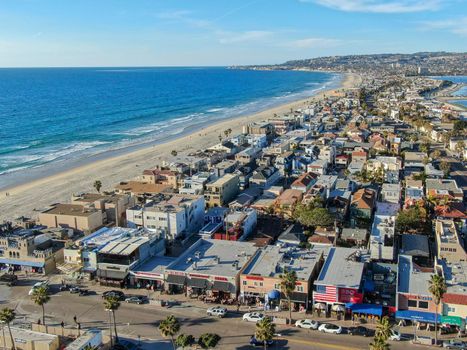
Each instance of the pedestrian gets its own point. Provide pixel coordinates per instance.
(74, 319)
(39, 321)
(62, 324)
(79, 326)
(238, 307)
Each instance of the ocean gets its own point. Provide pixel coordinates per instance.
(58, 117)
(462, 91)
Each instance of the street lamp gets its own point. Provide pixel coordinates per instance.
(110, 327)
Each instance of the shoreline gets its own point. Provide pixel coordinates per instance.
(25, 199)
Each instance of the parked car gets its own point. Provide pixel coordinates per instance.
(83, 292)
(75, 290)
(65, 287)
(363, 331)
(454, 344)
(253, 317)
(330, 328)
(8, 279)
(395, 335)
(136, 300)
(217, 311)
(257, 342)
(307, 324)
(114, 293)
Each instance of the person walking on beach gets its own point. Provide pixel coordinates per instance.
(74, 319)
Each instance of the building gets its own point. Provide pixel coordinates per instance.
(162, 177)
(354, 236)
(195, 184)
(210, 267)
(30, 250)
(172, 214)
(391, 193)
(304, 182)
(141, 189)
(414, 301)
(113, 205)
(116, 258)
(443, 189)
(340, 279)
(222, 190)
(361, 207)
(261, 277)
(26, 339)
(264, 177)
(449, 245)
(85, 218)
(238, 225)
(287, 201)
(248, 155)
(382, 235)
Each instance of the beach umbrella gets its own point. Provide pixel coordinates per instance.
(319, 306)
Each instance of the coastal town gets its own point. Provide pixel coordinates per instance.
(340, 223)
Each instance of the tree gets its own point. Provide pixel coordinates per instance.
(460, 146)
(226, 133)
(382, 334)
(184, 340)
(425, 147)
(111, 304)
(288, 280)
(169, 327)
(411, 219)
(7, 316)
(436, 154)
(437, 289)
(445, 138)
(265, 330)
(310, 216)
(174, 153)
(208, 340)
(98, 185)
(445, 167)
(40, 297)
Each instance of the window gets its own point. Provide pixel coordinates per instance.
(244, 283)
(451, 309)
(260, 284)
(412, 303)
(277, 286)
(299, 288)
(423, 304)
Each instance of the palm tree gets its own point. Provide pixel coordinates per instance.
(437, 289)
(445, 167)
(7, 316)
(226, 133)
(382, 334)
(288, 281)
(40, 297)
(169, 327)
(112, 304)
(98, 185)
(265, 330)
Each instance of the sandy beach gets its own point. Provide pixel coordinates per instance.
(29, 198)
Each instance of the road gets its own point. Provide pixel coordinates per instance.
(141, 320)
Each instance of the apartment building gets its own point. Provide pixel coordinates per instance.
(222, 190)
(449, 245)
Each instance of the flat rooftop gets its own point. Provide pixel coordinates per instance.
(455, 275)
(26, 335)
(271, 261)
(340, 268)
(222, 180)
(70, 209)
(155, 265)
(126, 245)
(411, 279)
(214, 257)
(105, 235)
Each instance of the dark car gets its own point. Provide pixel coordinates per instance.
(65, 287)
(114, 293)
(364, 332)
(83, 292)
(257, 342)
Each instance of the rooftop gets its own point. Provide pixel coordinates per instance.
(411, 278)
(214, 257)
(342, 268)
(272, 260)
(70, 209)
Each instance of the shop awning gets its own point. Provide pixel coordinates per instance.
(274, 294)
(299, 297)
(452, 320)
(367, 309)
(21, 262)
(176, 279)
(222, 286)
(420, 316)
(197, 283)
(114, 275)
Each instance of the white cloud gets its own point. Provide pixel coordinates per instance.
(247, 36)
(379, 6)
(313, 43)
(456, 26)
(183, 16)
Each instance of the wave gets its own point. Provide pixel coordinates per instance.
(214, 110)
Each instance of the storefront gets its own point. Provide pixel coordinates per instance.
(112, 278)
(196, 286)
(365, 311)
(299, 301)
(175, 284)
(453, 321)
(417, 316)
(149, 281)
(223, 290)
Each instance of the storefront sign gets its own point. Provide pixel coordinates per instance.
(198, 276)
(254, 278)
(221, 279)
(347, 294)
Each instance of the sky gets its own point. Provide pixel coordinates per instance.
(44, 33)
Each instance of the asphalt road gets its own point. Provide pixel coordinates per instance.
(141, 320)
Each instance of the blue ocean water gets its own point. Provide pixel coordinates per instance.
(462, 91)
(61, 115)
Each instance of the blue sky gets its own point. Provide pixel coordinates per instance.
(221, 32)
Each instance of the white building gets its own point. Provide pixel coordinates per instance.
(382, 232)
(391, 193)
(173, 214)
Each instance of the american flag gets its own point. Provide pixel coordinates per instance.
(325, 293)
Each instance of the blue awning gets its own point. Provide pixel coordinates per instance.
(367, 309)
(428, 317)
(21, 262)
(274, 294)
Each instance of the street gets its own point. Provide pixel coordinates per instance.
(136, 321)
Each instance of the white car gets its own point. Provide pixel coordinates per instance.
(330, 328)
(216, 311)
(253, 317)
(307, 324)
(395, 335)
(38, 285)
